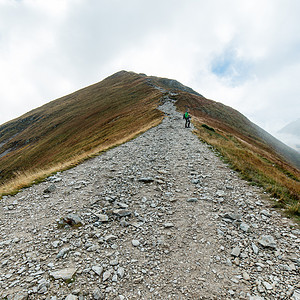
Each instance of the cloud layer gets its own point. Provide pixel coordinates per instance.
(245, 54)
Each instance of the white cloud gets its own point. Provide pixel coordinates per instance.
(242, 53)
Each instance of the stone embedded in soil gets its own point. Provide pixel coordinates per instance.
(146, 179)
(135, 243)
(267, 241)
(236, 251)
(64, 274)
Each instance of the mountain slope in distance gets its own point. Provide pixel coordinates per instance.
(290, 134)
(292, 128)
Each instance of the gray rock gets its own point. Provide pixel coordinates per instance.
(64, 274)
(43, 286)
(265, 213)
(267, 285)
(267, 241)
(195, 181)
(114, 262)
(232, 216)
(122, 212)
(110, 237)
(102, 218)
(192, 200)
(135, 243)
(246, 276)
(220, 193)
(98, 270)
(19, 296)
(244, 227)
(236, 251)
(254, 248)
(106, 275)
(121, 272)
(98, 295)
(168, 225)
(50, 189)
(296, 295)
(71, 297)
(62, 252)
(74, 219)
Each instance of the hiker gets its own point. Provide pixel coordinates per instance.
(187, 118)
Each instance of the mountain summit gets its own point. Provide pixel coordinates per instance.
(68, 130)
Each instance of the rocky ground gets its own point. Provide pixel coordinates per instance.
(159, 217)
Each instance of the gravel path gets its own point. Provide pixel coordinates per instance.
(159, 217)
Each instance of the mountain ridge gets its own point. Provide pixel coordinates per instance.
(65, 131)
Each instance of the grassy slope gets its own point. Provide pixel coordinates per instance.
(70, 129)
(239, 143)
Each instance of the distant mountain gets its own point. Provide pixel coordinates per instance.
(290, 134)
(292, 128)
(64, 132)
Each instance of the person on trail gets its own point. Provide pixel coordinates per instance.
(187, 118)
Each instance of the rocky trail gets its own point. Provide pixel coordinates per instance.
(159, 217)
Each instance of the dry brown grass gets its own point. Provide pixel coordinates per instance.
(256, 166)
(70, 129)
(233, 137)
(27, 178)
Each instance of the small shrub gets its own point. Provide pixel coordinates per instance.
(207, 127)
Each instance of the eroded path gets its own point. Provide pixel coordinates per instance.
(163, 218)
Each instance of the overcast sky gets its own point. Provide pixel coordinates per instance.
(243, 53)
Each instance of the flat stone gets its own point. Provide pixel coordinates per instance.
(98, 270)
(102, 218)
(122, 212)
(246, 276)
(146, 179)
(244, 227)
(232, 216)
(265, 213)
(236, 251)
(192, 200)
(296, 295)
(121, 272)
(168, 225)
(110, 237)
(220, 193)
(106, 275)
(267, 285)
(71, 297)
(195, 181)
(114, 262)
(50, 189)
(135, 243)
(267, 241)
(254, 248)
(20, 296)
(62, 252)
(97, 294)
(65, 274)
(73, 219)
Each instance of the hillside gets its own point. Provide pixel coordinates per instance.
(73, 127)
(158, 217)
(68, 130)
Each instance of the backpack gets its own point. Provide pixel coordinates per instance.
(186, 115)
